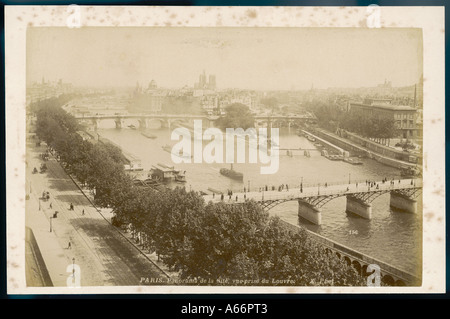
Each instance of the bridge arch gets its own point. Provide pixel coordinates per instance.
(347, 260)
(400, 283)
(156, 123)
(388, 280)
(183, 123)
(127, 122)
(106, 123)
(357, 266)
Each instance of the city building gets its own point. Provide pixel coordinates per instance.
(405, 116)
(203, 84)
(43, 90)
(148, 100)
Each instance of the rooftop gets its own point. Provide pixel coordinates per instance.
(387, 106)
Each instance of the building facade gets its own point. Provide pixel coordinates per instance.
(405, 116)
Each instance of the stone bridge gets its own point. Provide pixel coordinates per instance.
(169, 120)
(311, 199)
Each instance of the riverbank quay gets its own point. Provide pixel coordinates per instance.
(388, 156)
(81, 238)
(390, 275)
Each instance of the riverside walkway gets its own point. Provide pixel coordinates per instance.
(104, 256)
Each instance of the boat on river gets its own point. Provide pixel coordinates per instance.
(181, 154)
(149, 135)
(353, 160)
(410, 172)
(231, 173)
(165, 173)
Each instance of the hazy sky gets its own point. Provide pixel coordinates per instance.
(251, 58)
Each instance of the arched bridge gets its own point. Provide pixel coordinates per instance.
(311, 199)
(166, 120)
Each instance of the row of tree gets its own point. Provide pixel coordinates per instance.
(228, 244)
(365, 125)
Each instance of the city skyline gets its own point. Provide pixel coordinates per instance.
(247, 58)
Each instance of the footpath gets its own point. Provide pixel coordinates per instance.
(79, 246)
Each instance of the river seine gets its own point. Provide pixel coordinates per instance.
(390, 236)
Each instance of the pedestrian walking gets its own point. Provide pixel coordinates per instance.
(51, 206)
(82, 213)
(69, 246)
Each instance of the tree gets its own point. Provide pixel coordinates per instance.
(270, 103)
(237, 115)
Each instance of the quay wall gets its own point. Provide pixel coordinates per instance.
(356, 149)
(388, 269)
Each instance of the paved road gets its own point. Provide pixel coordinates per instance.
(105, 257)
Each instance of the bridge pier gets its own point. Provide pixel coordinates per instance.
(118, 123)
(143, 123)
(309, 212)
(403, 202)
(359, 207)
(95, 124)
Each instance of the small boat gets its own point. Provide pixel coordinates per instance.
(231, 173)
(180, 177)
(132, 127)
(410, 172)
(167, 148)
(149, 135)
(310, 138)
(353, 160)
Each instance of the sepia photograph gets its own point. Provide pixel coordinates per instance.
(181, 156)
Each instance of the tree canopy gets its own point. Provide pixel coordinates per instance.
(237, 115)
(230, 244)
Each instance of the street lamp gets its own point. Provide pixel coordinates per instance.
(248, 186)
(51, 223)
(73, 267)
(349, 177)
(318, 189)
(39, 203)
(301, 186)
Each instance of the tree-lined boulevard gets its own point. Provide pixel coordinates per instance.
(214, 242)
